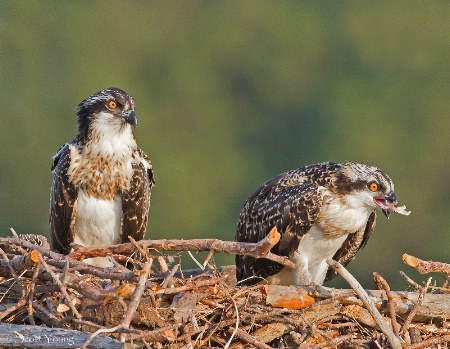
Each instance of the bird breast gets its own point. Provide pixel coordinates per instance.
(101, 174)
(97, 221)
(338, 218)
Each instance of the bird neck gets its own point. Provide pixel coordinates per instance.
(110, 142)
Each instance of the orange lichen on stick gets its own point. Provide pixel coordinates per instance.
(291, 297)
(410, 260)
(274, 236)
(34, 256)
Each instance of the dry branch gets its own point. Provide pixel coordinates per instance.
(391, 304)
(257, 250)
(425, 267)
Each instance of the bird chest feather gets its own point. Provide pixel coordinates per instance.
(102, 169)
(338, 218)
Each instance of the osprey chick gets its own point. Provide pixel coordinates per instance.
(102, 180)
(322, 211)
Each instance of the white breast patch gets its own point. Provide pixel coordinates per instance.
(315, 247)
(310, 258)
(97, 221)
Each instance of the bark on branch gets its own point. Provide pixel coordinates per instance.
(425, 267)
(257, 250)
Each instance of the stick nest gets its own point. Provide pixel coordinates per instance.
(149, 302)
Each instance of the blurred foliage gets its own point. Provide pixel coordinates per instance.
(232, 93)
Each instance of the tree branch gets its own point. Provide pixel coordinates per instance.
(260, 249)
(425, 267)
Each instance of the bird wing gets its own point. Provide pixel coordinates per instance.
(136, 200)
(63, 196)
(352, 245)
(288, 203)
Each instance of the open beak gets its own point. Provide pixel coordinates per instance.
(386, 202)
(130, 118)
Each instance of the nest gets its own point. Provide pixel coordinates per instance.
(151, 303)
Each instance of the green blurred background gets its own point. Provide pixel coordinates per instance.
(231, 93)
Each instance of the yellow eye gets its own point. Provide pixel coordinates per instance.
(112, 105)
(373, 186)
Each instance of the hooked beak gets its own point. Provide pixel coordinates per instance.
(130, 118)
(386, 202)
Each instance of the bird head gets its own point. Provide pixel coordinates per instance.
(110, 110)
(368, 185)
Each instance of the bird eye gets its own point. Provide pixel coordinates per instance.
(373, 186)
(112, 105)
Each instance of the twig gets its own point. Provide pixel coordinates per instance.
(147, 345)
(162, 264)
(362, 294)
(10, 310)
(430, 342)
(425, 267)
(86, 323)
(447, 280)
(64, 279)
(128, 275)
(241, 334)
(143, 252)
(118, 328)
(195, 260)
(127, 260)
(169, 277)
(44, 251)
(423, 291)
(298, 338)
(52, 319)
(30, 296)
(391, 303)
(236, 326)
(410, 281)
(137, 294)
(80, 322)
(207, 259)
(151, 334)
(13, 232)
(191, 286)
(342, 324)
(257, 250)
(333, 342)
(49, 305)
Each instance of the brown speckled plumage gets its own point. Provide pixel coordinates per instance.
(105, 163)
(296, 200)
